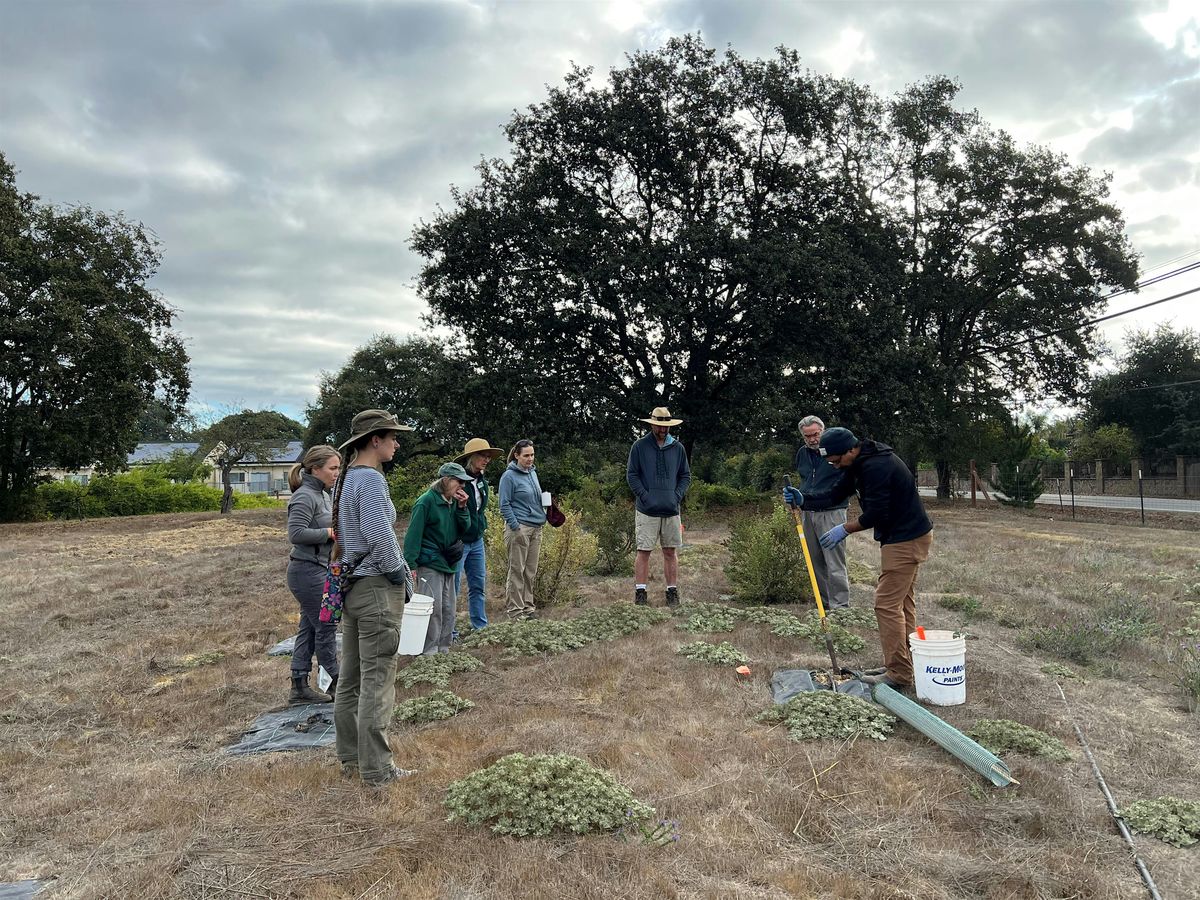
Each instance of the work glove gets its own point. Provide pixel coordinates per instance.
(793, 497)
(834, 536)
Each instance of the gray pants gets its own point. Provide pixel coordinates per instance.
(366, 692)
(306, 581)
(439, 586)
(829, 565)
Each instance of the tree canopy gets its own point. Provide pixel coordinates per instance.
(746, 241)
(1154, 391)
(247, 434)
(85, 344)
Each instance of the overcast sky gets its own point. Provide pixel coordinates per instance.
(283, 151)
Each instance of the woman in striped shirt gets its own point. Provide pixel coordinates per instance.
(380, 584)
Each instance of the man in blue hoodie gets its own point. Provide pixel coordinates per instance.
(658, 474)
(817, 476)
(891, 506)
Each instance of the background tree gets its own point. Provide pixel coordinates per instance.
(249, 434)
(674, 237)
(1154, 392)
(1112, 442)
(159, 422)
(85, 345)
(1018, 468)
(1007, 253)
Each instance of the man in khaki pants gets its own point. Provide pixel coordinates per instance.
(890, 504)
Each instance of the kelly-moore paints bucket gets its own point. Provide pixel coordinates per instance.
(415, 625)
(940, 667)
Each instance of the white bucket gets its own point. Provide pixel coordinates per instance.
(940, 667)
(415, 625)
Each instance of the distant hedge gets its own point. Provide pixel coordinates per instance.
(134, 494)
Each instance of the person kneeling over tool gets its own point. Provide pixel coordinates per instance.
(890, 504)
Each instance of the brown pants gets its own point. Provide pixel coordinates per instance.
(895, 603)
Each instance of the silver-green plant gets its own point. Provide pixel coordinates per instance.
(436, 670)
(1170, 819)
(824, 714)
(722, 654)
(1003, 736)
(529, 796)
(432, 707)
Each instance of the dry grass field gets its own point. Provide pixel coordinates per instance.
(113, 782)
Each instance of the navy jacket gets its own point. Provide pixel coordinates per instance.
(658, 476)
(818, 477)
(887, 494)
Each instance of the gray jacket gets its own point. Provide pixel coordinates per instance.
(310, 513)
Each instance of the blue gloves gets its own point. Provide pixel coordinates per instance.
(834, 536)
(793, 497)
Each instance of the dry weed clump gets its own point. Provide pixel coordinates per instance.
(436, 670)
(722, 654)
(1003, 736)
(432, 707)
(1170, 819)
(823, 714)
(1058, 670)
(528, 796)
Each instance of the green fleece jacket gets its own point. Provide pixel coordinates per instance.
(434, 526)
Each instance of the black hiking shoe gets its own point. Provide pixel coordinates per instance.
(673, 597)
(302, 693)
(639, 597)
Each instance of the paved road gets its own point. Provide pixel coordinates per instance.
(1153, 504)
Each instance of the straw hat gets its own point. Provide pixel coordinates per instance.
(369, 421)
(661, 416)
(477, 445)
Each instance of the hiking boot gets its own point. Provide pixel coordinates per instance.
(882, 670)
(639, 597)
(302, 693)
(395, 773)
(672, 597)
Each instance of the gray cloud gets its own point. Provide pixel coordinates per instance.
(283, 151)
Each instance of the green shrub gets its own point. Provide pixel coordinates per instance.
(722, 654)
(536, 636)
(612, 525)
(566, 553)
(703, 618)
(607, 623)
(824, 714)
(969, 606)
(408, 482)
(538, 795)
(852, 617)
(140, 492)
(436, 670)
(1056, 670)
(432, 707)
(766, 563)
(702, 497)
(860, 572)
(256, 501)
(1008, 617)
(1170, 819)
(1002, 736)
(1094, 636)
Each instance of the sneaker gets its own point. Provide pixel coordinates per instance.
(672, 597)
(395, 773)
(639, 597)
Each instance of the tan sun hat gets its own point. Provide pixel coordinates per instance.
(371, 420)
(661, 416)
(477, 445)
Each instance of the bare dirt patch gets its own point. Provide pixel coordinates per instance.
(121, 682)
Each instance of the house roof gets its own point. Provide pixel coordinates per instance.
(289, 454)
(159, 451)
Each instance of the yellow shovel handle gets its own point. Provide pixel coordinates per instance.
(812, 575)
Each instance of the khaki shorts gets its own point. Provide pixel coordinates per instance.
(651, 530)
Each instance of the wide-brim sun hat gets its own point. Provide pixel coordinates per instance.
(662, 416)
(369, 421)
(477, 445)
(836, 441)
(453, 470)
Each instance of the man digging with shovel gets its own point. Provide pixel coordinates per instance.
(890, 504)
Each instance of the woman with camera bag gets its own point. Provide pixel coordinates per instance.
(433, 546)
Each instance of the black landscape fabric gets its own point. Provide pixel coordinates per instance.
(787, 683)
(304, 727)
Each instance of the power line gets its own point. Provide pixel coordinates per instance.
(1150, 387)
(1095, 321)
